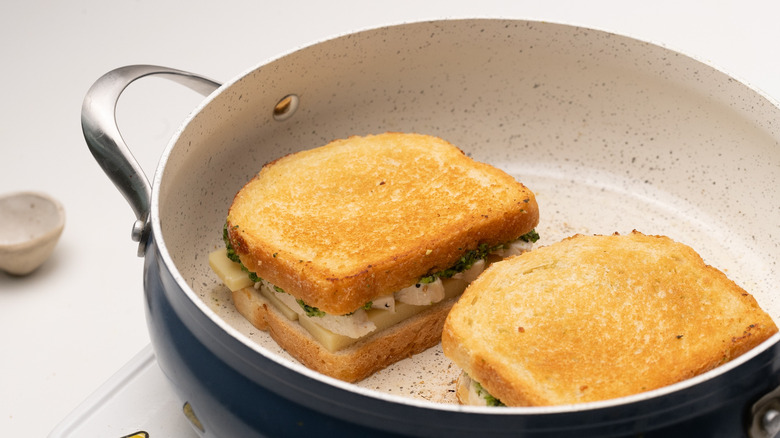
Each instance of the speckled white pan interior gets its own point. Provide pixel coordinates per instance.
(612, 134)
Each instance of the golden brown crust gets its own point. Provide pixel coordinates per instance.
(361, 217)
(353, 363)
(598, 317)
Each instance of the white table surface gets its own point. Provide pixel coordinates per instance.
(65, 329)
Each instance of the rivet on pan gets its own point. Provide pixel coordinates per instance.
(286, 107)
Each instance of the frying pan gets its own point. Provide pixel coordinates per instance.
(611, 133)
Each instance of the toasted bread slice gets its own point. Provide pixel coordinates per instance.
(363, 217)
(598, 317)
(357, 361)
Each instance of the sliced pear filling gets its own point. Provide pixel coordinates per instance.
(384, 312)
(355, 325)
(336, 332)
(380, 319)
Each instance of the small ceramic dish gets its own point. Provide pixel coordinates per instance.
(30, 226)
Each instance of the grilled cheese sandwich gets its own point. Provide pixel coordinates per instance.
(596, 317)
(354, 252)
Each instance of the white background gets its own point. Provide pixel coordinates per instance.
(68, 327)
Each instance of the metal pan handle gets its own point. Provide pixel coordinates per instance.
(765, 416)
(98, 122)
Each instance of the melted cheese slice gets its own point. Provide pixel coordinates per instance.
(228, 271)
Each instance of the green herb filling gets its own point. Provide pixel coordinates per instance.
(489, 399)
(310, 311)
(468, 259)
(531, 236)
